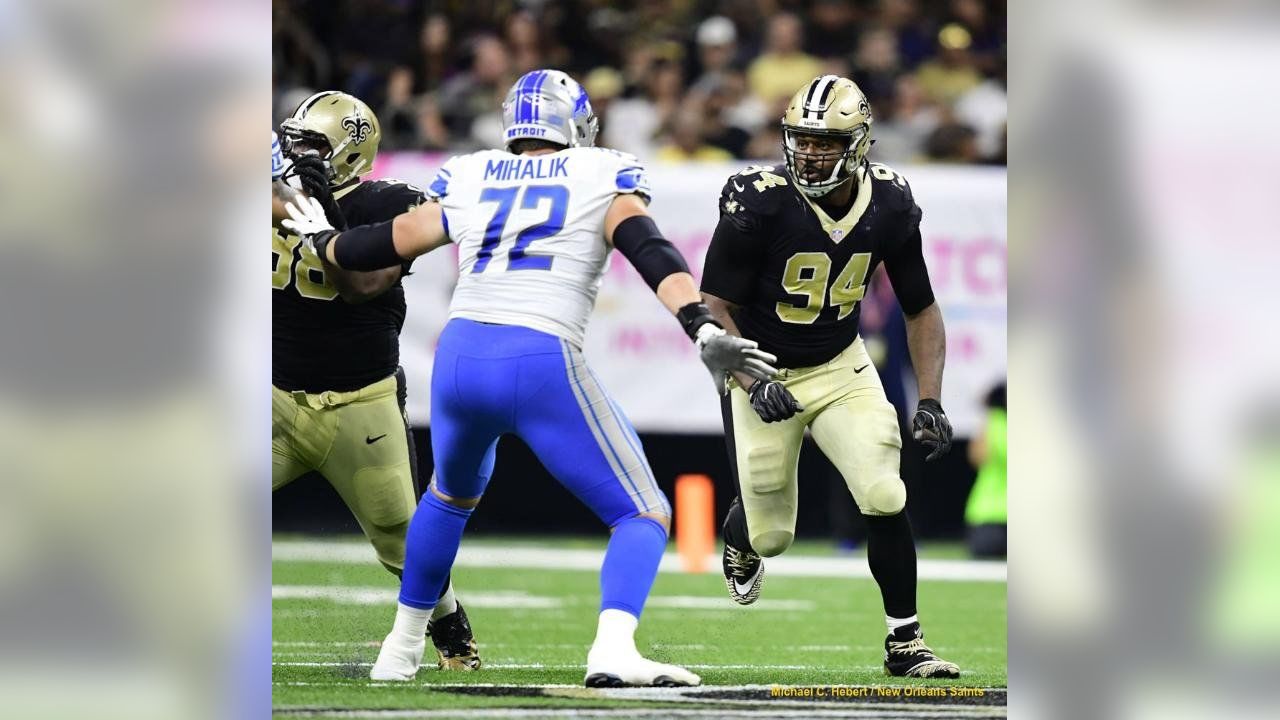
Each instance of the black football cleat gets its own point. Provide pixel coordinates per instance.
(906, 655)
(743, 574)
(454, 642)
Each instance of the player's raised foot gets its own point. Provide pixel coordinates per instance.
(629, 669)
(455, 645)
(743, 574)
(906, 655)
(398, 661)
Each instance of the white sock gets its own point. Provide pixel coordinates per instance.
(895, 623)
(447, 605)
(411, 624)
(616, 631)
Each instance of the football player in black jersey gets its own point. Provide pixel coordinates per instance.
(787, 267)
(338, 392)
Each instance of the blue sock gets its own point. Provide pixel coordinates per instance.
(631, 564)
(430, 547)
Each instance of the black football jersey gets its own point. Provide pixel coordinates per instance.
(319, 341)
(798, 274)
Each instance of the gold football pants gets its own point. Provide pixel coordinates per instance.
(853, 424)
(359, 441)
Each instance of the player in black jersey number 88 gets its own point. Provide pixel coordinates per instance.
(338, 393)
(787, 267)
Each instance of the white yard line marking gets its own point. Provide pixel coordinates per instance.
(381, 596)
(551, 666)
(546, 558)
(513, 599)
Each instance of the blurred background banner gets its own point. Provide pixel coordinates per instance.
(646, 361)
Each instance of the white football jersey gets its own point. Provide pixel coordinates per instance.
(530, 233)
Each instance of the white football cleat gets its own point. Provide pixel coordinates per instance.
(396, 661)
(629, 669)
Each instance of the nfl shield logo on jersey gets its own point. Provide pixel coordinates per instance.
(837, 234)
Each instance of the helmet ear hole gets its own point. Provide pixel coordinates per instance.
(352, 158)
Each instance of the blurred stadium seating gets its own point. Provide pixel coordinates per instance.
(671, 80)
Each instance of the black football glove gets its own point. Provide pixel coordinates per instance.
(772, 401)
(931, 428)
(313, 172)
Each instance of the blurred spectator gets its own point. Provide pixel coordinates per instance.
(830, 27)
(399, 116)
(986, 513)
(742, 109)
(477, 92)
(717, 40)
(718, 127)
(985, 108)
(783, 68)
(952, 74)
(987, 38)
(432, 132)
(902, 125)
(953, 143)
(636, 122)
(766, 143)
(914, 33)
(524, 41)
(688, 142)
(603, 85)
(877, 65)
(435, 62)
(297, 56)
(1001, 155)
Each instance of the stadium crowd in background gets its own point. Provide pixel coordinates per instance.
(672, 80)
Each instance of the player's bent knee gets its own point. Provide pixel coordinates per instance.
(771, 542)
(661, 518)
(463, 503)
(886, 497)
(388, 544)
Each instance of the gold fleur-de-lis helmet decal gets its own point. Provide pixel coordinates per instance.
(357, 127)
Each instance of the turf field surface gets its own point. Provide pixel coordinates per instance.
(812, 645)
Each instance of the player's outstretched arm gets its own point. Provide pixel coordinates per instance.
(926, 341)
(722, 310)
(369, 247)
(629, 228)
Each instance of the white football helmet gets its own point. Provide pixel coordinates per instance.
(549, 105)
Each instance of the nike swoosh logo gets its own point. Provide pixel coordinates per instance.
(369, 441)
(738, 187)
(864, 367)
(744, 589)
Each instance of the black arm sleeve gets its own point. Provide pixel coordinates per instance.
(730, 271)
(367, 247)
(654, 257)
(909, 275)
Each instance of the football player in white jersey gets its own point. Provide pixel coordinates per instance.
(534, 224)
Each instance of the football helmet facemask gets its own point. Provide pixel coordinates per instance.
(340, 127)
(828, 106)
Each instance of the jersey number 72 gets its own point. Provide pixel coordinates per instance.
(519, 258)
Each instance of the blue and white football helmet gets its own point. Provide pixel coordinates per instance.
(549, 105)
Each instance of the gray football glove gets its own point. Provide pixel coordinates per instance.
(723, 353)
(931, 428)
